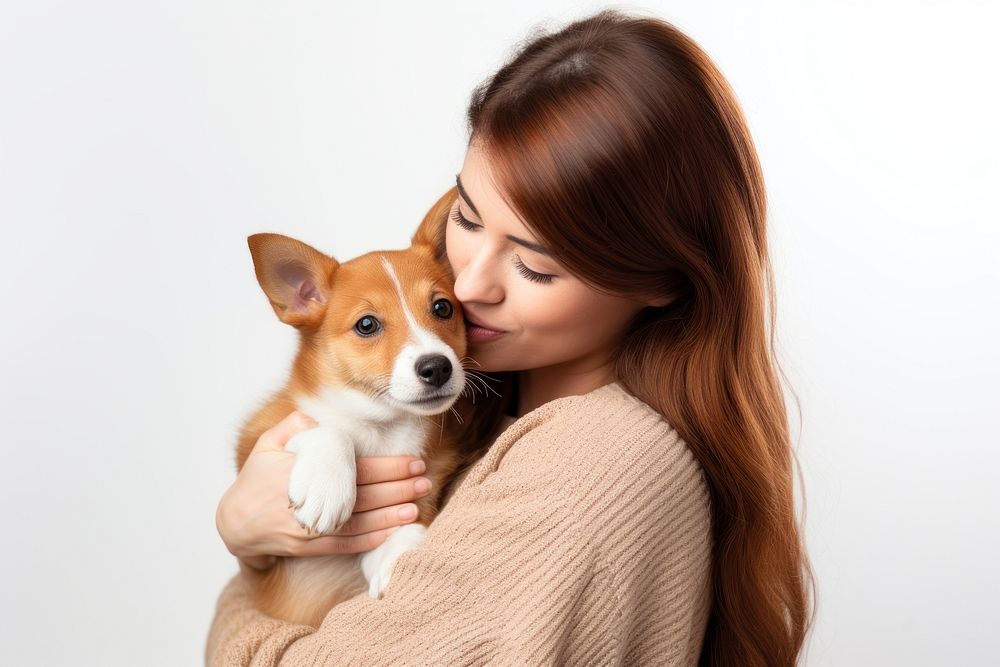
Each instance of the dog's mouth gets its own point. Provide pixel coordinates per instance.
(424, 405)
(436, 398)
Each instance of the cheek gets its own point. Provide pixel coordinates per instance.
(571, 319)
(548, 310)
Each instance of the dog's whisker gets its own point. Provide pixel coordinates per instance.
(473, 374)
(475, 383)
(478, 375)
(469, 379)
(483, 378)
(481, 374)
(474, 391)
(478, 378)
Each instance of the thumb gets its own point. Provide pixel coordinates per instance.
(275, 438)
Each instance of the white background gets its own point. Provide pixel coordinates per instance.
(141, 143)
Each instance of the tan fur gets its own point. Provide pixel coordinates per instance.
(303, 590)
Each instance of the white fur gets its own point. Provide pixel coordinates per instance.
(374, 428)
(323, 481)
(377, 564)
(405, 384)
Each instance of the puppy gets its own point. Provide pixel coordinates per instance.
(381, 342)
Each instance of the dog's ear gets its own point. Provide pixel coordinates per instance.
(430, 233)
(295, 277)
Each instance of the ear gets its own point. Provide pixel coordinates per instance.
(430, 233)
(294, 276)
(659, 302)
(653, 300)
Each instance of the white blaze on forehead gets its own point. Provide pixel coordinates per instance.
(422, 335)
(405, 384)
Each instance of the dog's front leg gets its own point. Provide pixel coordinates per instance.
(322, 486)
(377, 564)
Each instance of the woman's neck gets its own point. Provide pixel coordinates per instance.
(535, 387)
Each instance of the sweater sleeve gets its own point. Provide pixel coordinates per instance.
(586, 543)
(499, 578)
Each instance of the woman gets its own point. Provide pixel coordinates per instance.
(637, 504)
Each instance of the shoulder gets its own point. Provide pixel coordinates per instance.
(638, 489)
(608, 426)
(605, 464)
(603, 444)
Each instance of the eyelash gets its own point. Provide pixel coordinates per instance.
(533, 276)
(461, 221)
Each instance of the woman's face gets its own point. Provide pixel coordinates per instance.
(553, 322)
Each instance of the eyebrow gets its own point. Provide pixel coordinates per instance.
(527, 244)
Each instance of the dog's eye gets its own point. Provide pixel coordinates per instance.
(367, 325)
(443, 308)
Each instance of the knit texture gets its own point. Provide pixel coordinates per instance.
(582, 537)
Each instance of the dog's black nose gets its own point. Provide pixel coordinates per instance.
(434, 369)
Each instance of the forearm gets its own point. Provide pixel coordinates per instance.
(241, 635)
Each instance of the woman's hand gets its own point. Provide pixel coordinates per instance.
(256, 524)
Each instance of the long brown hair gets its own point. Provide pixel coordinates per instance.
(620, 144)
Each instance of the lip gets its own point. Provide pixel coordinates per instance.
(477, 333)
(482, 325)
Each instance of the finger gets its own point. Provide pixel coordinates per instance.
(338, 544)
(372, 469)
(275, 438)
(378, 519)
(384, 494)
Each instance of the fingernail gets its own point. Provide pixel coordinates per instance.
(417, 467)
(423, 485)
(408, 512)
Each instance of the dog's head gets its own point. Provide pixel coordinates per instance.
(385, 323)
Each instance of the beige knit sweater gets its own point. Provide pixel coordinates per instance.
(581, 537)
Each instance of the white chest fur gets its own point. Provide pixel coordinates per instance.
(374, 428)
(322, 482)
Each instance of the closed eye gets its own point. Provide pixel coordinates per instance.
(462, 222)
(533, 276)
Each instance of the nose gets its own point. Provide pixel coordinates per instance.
(434, 369)
(477, 281)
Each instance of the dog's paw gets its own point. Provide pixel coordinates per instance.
(322, 486)
(377, 564)
(323, 499)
